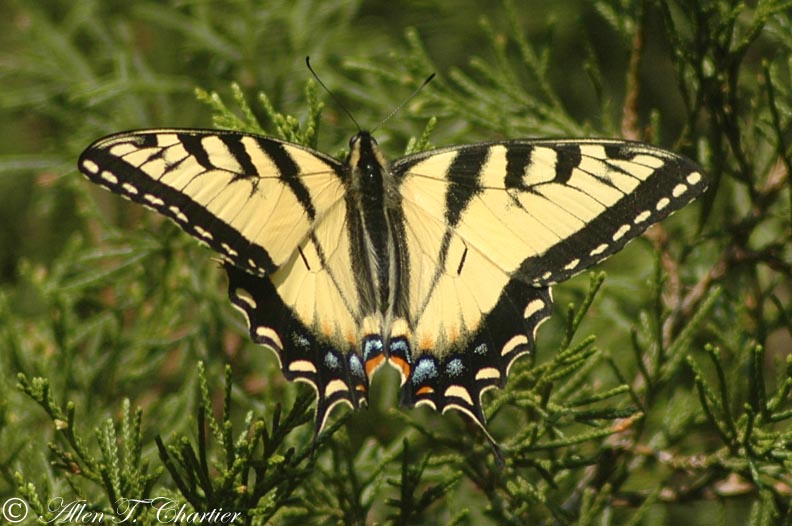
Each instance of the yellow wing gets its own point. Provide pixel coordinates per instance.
(276, 213)
(490, 227)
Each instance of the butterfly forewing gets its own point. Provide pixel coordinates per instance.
(252, 199)
(547, 208)
(615, 190)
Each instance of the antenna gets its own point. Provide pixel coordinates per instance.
(405, 101)
(351, 117)
(336, 99)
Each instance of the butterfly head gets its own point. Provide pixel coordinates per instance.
(360, 145)
(361, 138)
(365, 157)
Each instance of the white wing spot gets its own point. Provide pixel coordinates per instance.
(536, 327)
(547, 275)
(258, 270)
(662, 203)
(109, 177)
(230, 251)
(178, 214)
(532, 308)
(513, 343)
(621, 232)
(302, 366)
(599, 250)
(694, 178)
(572, 264)
(643, 216)
(203, 233)
(129, 188)
(488, 373)
(153, 199)
(427, 402)
(333, 387)
(245, 297)
(90, 166)
(679, 190)
(459, 392)
(269, 333)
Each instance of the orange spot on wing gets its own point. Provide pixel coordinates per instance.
(373, 363)
(424, 390)
(427, 343)
(403, 366)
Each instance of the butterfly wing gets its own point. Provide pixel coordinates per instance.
(490, 227)
(486, 229)
(276, 213)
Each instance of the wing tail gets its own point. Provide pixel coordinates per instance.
(458, 379)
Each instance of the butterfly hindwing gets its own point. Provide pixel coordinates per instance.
(336, 372)
(457, 378)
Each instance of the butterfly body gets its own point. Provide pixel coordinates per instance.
(439, 263)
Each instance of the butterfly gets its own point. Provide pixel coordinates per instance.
(440, 263)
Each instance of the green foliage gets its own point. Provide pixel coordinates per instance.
(255, 480)
(116, 474)
(662, 394)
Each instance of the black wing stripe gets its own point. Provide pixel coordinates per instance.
(193, 144)
(517, 160)
(288, 171)
(568, 160)
(463, 176)
(240, 153)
